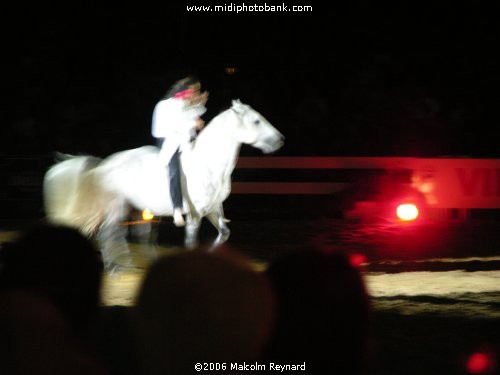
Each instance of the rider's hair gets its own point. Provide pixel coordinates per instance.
(181, 85)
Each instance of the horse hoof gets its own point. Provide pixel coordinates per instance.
(113, 270)
(191, 245)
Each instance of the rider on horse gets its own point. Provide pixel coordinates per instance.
(176, 119)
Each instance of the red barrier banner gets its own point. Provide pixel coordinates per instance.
(445, 182)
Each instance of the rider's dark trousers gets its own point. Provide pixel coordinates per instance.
(174, 176)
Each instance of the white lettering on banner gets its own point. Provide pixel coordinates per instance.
(479, 181)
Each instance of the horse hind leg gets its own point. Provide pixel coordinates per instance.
(114, 248)
(112, 239)
(219, 222)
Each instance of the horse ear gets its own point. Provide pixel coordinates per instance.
(238, 106)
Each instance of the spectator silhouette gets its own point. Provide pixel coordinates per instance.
(322, 313)
(57, 263)
(197, 307)
(114, 340)
(36, 339)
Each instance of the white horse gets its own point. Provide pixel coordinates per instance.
(97, 198)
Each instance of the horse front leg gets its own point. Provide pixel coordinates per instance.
(192, 229)
(219, 222)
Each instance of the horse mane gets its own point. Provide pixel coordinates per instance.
(213, 129)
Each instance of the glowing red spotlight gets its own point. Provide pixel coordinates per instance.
(407, 212)
(479, 363)
(357, 260)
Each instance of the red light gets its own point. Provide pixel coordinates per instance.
(357, 260)
(407, 212)
(479, 363)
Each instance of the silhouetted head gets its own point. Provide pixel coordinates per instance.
(36, 339)
(58, 263)
(195, 307)
(322, 312)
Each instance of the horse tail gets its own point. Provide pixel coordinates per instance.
(90, 161)
(60, 156)
(89, 204)
(73, 194)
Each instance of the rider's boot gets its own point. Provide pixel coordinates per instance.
(178, 218)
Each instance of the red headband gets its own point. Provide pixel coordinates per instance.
(184, 94)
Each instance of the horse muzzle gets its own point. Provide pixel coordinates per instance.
(272, 144)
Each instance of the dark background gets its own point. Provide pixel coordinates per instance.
(369, 78)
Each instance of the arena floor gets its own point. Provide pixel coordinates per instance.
(439, 268)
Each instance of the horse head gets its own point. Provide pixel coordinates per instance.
(254, 130)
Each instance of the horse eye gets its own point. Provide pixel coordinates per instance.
(256, 122)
